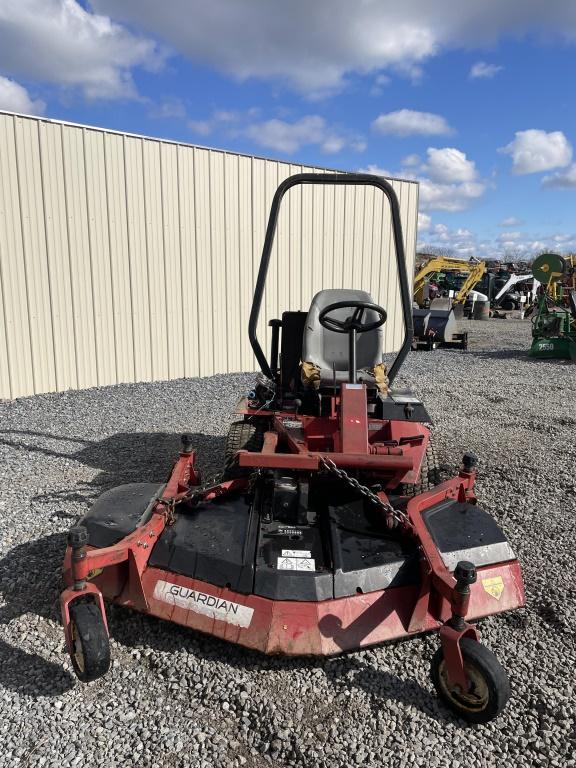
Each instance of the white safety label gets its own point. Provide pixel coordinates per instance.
(296, 553)
(289, 424)
(296, 564)
(201, 602)
(289, 531)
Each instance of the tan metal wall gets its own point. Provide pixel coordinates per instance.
(126, 259)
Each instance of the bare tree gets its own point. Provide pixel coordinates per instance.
(435, 250)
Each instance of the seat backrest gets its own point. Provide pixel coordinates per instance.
(327, 348)
(293, 324)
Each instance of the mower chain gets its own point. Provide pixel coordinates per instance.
(195, 494)
(393, 516)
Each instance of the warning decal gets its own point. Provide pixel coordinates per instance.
(296, 563)
(201, 602)
(296, 553)
(494, 586)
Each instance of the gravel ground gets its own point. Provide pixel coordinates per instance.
(177, 698)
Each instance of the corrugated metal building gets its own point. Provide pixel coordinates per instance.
(124, 258)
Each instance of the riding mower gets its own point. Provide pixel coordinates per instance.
(330, 528)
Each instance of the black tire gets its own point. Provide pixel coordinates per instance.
(490, 685)
(508, 306)
(90, 644)
(242, 436)
(429, 474)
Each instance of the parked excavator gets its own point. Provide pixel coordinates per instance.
(474, 271)
(504, 290)
(436, 318)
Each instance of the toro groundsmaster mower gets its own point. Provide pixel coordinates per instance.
(329, 529)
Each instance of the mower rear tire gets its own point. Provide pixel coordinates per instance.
(429, 474)
(242, 436)
(489, 684)
(90, 652)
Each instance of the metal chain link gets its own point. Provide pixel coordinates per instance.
(195, 490)
(393, 516)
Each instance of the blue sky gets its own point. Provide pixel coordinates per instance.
(473, 99)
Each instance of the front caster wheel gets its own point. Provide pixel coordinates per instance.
(489, 686)
(90, 651)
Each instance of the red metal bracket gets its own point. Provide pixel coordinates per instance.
(353, 419)
(450, 640)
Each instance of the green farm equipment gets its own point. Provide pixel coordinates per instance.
(554, 322)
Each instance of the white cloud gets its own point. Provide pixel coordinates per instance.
(448, 180)
(408, 122)
(222, 118)
(483, 70)
(58, 41)
(534, 150)
(449, 165)
(15, 98)
(382, 80)
(410, 161)
(449, 197)
(424, 222)
(201, 127)
(169, 108)
(561, 179)
(510, 236)
(380, 83)
(310, 46)
(289, 137)
(314, 46)
(511, 221)
(460, 242)
(464, 243)
(377, 170)
(358, 145)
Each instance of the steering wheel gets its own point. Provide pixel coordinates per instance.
(354, 322)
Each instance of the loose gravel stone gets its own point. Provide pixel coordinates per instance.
(174, 697)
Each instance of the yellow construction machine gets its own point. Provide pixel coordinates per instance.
(474, 271)
(436, 323)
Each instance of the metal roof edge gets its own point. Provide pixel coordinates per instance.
(43, 119)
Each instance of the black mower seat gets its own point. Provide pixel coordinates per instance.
(327, 351)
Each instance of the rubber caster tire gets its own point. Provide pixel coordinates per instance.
(490, 687)
(90, 653)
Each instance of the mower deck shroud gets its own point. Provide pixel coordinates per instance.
(207, 564)
(317, 539)
(226, 544)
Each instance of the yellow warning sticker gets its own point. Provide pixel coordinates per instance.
(94, 573)
(494, 586)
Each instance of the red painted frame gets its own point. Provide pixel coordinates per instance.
(392, 451)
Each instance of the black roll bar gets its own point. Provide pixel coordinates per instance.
(333, 178)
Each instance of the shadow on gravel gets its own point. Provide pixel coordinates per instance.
(30, 583)
(30, 574)
(31, 675)
(511, 354)
(352, 671)
(126, 457)
(139, 632)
